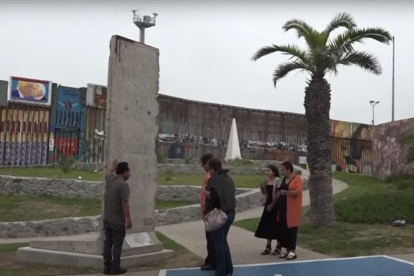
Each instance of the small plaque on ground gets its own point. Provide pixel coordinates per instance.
(138, 239)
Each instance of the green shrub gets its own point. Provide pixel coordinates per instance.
(169, 175)
(379, 207)
(66, 163)
(160, 157)
(188, 160)
(401, 181)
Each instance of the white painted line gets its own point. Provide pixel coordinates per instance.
(163, 272)
(399, 260)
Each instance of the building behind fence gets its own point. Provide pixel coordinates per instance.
(74, 125)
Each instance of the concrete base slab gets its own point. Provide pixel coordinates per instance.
(52, 257)
(87, 244)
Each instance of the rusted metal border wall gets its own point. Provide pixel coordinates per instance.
(206, 128)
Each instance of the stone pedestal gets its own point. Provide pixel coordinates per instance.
(130, 135)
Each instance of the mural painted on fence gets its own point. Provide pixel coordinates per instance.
(96, 95)
(65, 124)
(30, 91)
(354, 151)
(77, 128)
(24, 135)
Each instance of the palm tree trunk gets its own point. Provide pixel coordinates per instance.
(317, 105)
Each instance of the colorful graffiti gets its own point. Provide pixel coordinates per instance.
(77, 126)
(65, 127)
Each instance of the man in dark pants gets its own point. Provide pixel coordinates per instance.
(210, 262)
(116, 218)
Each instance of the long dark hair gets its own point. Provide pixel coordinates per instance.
(274, 170)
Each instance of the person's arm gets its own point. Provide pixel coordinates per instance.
(111, 167)
(295, 188)
(125, 209)
(125, 205)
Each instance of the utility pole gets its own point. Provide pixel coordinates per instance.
(373, 104)
(143, 22)
(393, 78)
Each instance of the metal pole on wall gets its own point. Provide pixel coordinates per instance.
(373, 104)
(393, 78)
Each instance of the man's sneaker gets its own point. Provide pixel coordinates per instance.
(107, 271)
(118, 271)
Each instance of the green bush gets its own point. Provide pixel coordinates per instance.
(66, 163)
(401, 181)
(188, 160)
(379, 207)
(169, 175)
(160, 157)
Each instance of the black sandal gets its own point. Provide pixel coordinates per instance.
(267, 251)
(278, 251)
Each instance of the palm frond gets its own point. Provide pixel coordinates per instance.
(303, 30)
(344, 42)
(292, 50)
(344, 20)
(285, 68)
(364, 60)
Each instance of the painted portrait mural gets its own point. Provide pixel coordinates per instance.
(351, 145)
(30, 91)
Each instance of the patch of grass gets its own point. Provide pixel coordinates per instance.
(242, 181)
(377, 207)
(359, 210)
(169, 175)
(248, 224)
(161, 205)
(243, 162)
(52, 173)
(369, 200)
(22, 208)
(401, 181)
(356, 239)
(8, 267)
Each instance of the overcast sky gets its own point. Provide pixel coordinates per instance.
(206, 47)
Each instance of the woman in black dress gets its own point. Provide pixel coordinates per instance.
(267, 228)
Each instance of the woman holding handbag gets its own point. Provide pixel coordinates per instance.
(221, 205)
(267, 228)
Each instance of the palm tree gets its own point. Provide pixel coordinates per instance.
(324, 54)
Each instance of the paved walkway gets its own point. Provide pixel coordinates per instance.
(244, 246)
